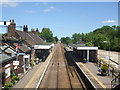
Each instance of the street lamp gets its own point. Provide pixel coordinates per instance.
(108, 56)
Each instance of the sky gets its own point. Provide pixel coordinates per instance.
(63, 18)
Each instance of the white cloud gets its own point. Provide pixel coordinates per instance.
(46, 10)
(109, 21)
(29, 11)
(7, 3)
(51, 8)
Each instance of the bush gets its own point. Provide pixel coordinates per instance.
(84, 59)
(13, 81)
(6, 74)
(8, 85)
(32, 63)
(14, 77)
(104, 69)
(17, 79)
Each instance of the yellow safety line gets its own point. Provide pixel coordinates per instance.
(93, 76)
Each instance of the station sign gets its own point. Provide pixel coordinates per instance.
(15, 62)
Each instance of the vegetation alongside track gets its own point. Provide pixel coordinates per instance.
(96, 38)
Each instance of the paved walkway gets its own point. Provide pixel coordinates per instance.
(31, 78)
(91, 71)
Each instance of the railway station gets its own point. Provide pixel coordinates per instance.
(54, 47)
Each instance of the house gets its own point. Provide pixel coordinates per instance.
(7, 56)
(22, 52)
(21, 47)
(38, 47)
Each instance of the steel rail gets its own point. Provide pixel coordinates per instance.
(67, 68)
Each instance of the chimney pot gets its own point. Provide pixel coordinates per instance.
(36, 29)
(25, 28)
(13, 20)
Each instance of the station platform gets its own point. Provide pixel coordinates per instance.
(90, 70)
(31, 78)
(94, 76)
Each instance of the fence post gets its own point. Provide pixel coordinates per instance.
(112, 71)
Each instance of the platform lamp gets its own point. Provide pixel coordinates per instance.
(109, 57)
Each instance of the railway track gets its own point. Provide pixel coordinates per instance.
(85, 82)
(60, 72)
(76, 81)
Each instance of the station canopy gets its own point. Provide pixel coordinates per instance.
(83, 47)
(44, 46)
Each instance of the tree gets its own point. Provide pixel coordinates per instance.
(89, 44)
(66, 40)
(76, 37)
(63, 40)
(56, 39)
(47, 34)
(105, 33)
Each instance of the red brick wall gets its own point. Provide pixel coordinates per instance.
(3, 70)
(11, 30)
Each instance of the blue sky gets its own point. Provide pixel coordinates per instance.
(63, 18)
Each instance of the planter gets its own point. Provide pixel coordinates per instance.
(84, 60)
(104, 73)
(104, 69)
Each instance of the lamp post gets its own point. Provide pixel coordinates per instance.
(108, 56)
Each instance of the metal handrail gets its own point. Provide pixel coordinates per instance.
(113, 82)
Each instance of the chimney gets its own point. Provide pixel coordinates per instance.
(32, 30)
(11, 28)
(37, 31)
(25, 28)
